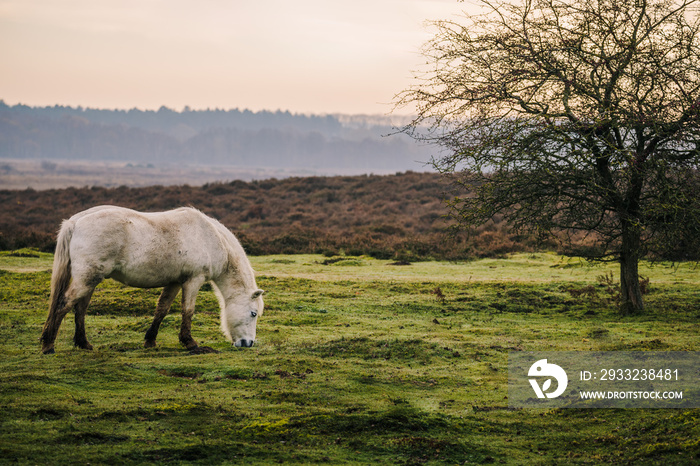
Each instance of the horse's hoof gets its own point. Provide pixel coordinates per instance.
(203, 350)
(49, 351)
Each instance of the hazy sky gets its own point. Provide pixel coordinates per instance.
(305, 56)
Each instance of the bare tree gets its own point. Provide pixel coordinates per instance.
(570, 116)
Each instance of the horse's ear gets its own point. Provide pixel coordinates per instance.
(257, 294)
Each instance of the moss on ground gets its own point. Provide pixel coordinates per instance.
(355, 363)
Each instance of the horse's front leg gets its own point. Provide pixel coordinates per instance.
(189, 295)
(162, 308)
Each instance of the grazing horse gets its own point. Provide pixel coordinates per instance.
(178, 249)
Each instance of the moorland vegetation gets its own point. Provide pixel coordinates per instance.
(397, 217)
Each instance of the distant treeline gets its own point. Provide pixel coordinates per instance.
(215, 137)
(391, 217)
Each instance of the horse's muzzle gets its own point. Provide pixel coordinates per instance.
(244, 343)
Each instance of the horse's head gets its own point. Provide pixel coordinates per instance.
(241, 318)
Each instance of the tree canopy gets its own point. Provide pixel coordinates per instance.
(571, 116)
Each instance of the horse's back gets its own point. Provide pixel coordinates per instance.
(146, 249)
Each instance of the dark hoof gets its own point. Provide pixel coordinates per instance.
(203, 350)
(50, 351)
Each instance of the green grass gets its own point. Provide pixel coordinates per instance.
(357, 361)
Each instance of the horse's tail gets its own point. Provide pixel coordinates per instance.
(60, 276)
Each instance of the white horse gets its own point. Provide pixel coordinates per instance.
(178, 249)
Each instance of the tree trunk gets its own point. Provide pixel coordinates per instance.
(631, 300)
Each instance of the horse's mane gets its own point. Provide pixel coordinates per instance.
(236, 254)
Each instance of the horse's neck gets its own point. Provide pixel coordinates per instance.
(238, 278)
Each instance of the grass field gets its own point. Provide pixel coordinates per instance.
(357, 361)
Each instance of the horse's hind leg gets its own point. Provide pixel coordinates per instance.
(166, 299)
(80, 339)
(77, 291)
(51, 326)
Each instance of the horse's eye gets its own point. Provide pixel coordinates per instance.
(253, 314)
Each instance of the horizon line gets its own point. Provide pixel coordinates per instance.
(189, 109)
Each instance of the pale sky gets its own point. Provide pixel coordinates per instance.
(305, 56)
